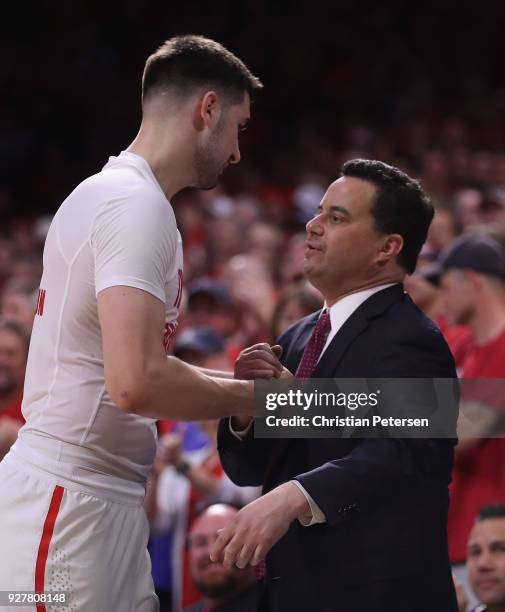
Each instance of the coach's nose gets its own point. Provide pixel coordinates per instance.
(315, 226)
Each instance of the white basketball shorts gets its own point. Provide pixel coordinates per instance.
(55, 538)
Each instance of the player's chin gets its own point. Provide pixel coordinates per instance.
(207, 185)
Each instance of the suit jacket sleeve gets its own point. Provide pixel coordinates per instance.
(376, 469)
(245, 461)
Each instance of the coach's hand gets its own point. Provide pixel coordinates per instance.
(258, 526)
(259, 361)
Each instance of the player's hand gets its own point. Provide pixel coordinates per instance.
(259, 361)
(258, 526)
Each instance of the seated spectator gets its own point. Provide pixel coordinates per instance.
(181, 484)
(13, 353)
(486, 559)
(223, 589)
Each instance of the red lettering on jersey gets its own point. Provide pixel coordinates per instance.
(39, 310)
(178, 298)
(169, 332)
(171, 327)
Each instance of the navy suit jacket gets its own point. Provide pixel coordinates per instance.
(384, 545)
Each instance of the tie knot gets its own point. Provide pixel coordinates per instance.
(323, 324)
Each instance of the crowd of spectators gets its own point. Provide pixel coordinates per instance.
(244, 242)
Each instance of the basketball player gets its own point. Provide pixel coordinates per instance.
(72, 486)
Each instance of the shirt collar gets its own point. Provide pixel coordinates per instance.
(343, 308)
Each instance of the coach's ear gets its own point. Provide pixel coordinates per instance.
(390, 247)
(132, 323)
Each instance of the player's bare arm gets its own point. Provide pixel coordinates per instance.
(139, 377)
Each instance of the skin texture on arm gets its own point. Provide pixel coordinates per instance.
(139, 377)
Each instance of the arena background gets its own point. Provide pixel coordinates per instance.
(418, 85)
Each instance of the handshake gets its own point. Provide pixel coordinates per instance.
(260, 361)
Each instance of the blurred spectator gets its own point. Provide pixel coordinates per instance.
(442, 230)
(252, 288)
(8, 251)
(209, 303)
(202, 346)
(13, 353)
(295, 302)
(18, 302)
(493, 208)
(486, 558)
(473, 289)
(292, 262)
(264, 242)
(468, 208)
(181, 484)
(27, 269)
(223, 590)
(428, 297)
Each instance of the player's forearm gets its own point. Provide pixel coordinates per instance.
(214, 373)
(175, 390)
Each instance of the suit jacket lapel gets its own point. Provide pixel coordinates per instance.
(372, 307)
(297, 345)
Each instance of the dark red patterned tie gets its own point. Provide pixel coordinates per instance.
(314, 347)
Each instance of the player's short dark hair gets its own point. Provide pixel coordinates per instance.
(490, 511)
(401, 206)
(185, 63)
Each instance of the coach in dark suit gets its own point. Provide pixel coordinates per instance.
(350, 525)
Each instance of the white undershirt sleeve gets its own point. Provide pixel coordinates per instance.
(134, 241)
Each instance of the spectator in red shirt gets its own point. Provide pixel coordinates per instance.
(13, 353)
(473, 289)
(423, 289)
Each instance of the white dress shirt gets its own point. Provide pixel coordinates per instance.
(339, 313)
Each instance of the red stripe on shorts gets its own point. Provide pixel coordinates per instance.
(45, 540)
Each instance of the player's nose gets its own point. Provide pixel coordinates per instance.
(235, 156)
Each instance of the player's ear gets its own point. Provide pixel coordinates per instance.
(207, 110)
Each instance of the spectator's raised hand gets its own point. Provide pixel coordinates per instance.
(169, 452)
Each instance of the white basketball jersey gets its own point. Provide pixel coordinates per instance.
(115, 228)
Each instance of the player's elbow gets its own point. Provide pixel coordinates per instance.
(129, 396)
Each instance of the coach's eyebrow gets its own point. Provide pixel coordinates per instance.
(336, 208)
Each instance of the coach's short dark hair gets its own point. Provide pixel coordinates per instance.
(491, 511)
(185, 63)
(401, 206)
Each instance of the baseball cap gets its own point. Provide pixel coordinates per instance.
(211, 287)
(481, 254)
(200, 339)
